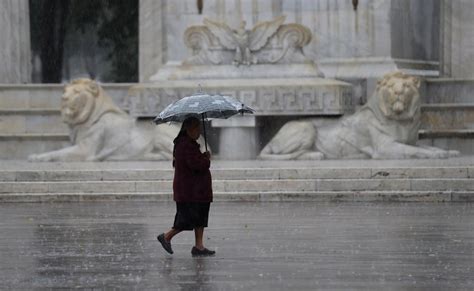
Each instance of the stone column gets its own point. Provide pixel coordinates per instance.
(457, 38)
(238, 137)
(15, 52)
(376, 38)
(152, 45)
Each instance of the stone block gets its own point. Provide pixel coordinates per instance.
(153, 186)
(362, 184)
(402, 196)
(340, 173)
(44, 96)
(235, 174)
(45, 123)
(264, 185)
(236, 121)
(9, 101)
(425, 172)
(307, 196)
(31, 121)
(6, 176)
(470, 171)
(459, 140)
(23, 187)
(12, 123)
(447, 116)
(237, 196)
(446, 90)
(72, 175)
(91, 187)
(18, 147)
(238, 143)
(441, 184)
(31, 96)
(463, 197)
(142, 175)
(30, 176)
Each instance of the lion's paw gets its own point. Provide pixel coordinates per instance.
(311, 156)
(37, 158)
(453, 154)
(33, 158)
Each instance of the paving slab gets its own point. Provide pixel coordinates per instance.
(260, 246)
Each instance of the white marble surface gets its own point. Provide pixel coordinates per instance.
(15, 54)
(380, 36)
(457, 42)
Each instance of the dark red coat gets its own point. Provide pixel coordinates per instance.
(192, 177)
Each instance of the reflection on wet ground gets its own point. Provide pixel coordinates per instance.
(260, 246)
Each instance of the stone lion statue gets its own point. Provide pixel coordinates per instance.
(101, 131)
(384, 128)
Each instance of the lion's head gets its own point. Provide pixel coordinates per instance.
(84, 100)
(397, 96)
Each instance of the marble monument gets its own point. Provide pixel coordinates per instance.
(384, 128)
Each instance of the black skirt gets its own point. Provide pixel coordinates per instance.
(190, 215)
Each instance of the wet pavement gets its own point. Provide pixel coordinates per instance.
(260, 246)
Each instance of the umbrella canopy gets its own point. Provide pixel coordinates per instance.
(202, 105)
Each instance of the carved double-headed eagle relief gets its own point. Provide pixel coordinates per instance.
(217, 43)
(243, 41)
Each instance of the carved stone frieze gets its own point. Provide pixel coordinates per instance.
(268, 42)
(303, 98)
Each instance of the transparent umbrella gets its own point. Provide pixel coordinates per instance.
(202, 105)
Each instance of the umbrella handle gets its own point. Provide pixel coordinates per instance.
(204, 131)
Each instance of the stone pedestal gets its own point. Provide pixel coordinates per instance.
(238, 137)
(15, 52)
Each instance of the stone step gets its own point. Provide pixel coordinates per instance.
(36, 121)
(31, 96)
(325, 181)
(461, 140)
(276, 196)
(436, 117)
(19, 146)
(95, 175)
(443, 90)
(286, 185)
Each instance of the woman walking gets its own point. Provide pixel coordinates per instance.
(192, 188)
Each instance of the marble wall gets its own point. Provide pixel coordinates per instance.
(457, 38)
(152, 47)
(15, 52)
